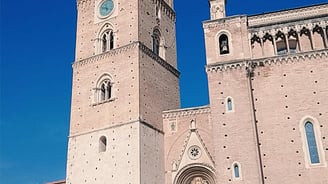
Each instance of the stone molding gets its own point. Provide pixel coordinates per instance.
(291, 58)
(288, 15)
(115, 126)
(186, 112)
(126, 48)
(184, 148)
(286, 27)
(95, 58)
(226, 22)
(158, 59)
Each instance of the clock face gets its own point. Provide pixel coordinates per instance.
(106, 7)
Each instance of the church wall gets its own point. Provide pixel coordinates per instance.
(86, 113)
(236, 30)
(177, 128)
(165, 22)
(233, 130)
(151, 156)
(159, 90)
(124, 21)
(120, 163)
(285, 92)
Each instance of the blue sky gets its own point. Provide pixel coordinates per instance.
(37, 48)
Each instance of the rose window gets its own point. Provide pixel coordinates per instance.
(194, 152)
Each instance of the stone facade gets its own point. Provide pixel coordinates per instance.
(268, 88)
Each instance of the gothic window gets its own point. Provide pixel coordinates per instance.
(158, 12)
(281, 43)
(102, 144)
(156, 41)
(107, 41)
(224, 44)
(293, 41)
(311, 143)
(103, 90)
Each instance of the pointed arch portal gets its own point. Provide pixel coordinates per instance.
(196, 174)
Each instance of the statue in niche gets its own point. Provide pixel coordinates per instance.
(199, 180)
(192, 124)
(174, 165)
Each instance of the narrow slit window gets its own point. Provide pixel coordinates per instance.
(102, 144)
(156, 41)
(102, 92)
(111, 44)
(104, 43)
(311, 143)
(236, 171)
(229, 104)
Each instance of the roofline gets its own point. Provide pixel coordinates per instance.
(288, 9)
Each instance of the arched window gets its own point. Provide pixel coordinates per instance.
(236, 171)
(107, 41)
(281, 43)
(224, 44)
(229, 104)
(102, 144)
(156, 41)
(311, 143)
(103, 90)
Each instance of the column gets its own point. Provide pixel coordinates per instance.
(261, 41)
(287, 42)
(324, 29)
(274, 42)
(311, 37)
(298, 40)
(250, 44)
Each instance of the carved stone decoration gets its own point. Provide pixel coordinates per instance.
(194, 152)
(192, 124)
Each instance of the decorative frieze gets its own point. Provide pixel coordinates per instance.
(186, 112)
(104, 55)
(126, 48)
(290, 58)
(288, 15)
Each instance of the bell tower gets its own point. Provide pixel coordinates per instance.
(124, 75)
(217, 9)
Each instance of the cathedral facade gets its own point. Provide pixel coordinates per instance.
(268, 90)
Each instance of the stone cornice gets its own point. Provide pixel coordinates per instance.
(79, 2)
(166, 9)
(93, 59)
(158, 59)
(290, 58)
(224, 21)
(126, 48)
(288, 15)
(186, 112)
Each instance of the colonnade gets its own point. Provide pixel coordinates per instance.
(289, 39)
